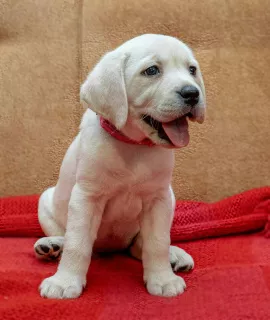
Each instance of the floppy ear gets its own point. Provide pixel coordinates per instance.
(104, 89)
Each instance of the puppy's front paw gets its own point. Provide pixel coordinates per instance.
(165, 284)
(62, 286)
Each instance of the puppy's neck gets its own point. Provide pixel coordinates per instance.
(118, 135)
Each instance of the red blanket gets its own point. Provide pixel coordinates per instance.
(247, 211)
(231, 279)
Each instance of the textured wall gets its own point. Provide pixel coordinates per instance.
(47, 48)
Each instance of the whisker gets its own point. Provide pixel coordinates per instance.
(143, 116)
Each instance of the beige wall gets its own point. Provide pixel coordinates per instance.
(47, 47)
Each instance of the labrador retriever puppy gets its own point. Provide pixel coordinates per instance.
(114, 190)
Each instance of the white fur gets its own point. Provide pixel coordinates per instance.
(108, 191)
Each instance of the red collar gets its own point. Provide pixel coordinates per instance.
(111, 129)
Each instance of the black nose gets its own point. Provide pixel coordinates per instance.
(190, 95)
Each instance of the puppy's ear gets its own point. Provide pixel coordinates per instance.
(104, 89)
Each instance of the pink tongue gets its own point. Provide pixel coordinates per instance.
(177, 131)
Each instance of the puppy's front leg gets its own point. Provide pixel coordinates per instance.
(155, 231)
(84, 217)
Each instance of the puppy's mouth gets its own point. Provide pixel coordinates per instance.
(174, 132)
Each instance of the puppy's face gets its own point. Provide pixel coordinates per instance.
(149, 87)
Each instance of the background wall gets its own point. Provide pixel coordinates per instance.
(47, 48)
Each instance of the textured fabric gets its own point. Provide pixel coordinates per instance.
(18, 217)
(241, 213)
(47, 48)
(231, 279)
(111, 129)
(193, 220)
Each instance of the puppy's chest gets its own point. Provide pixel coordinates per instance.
(137, 179)
(133, 171)
(120, 222)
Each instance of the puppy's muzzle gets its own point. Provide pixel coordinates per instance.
(190, 95)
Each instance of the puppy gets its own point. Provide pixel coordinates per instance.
(114, 189)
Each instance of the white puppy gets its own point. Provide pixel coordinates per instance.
(113, 194)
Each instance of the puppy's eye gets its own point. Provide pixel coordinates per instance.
(151, 71)
(192, 70)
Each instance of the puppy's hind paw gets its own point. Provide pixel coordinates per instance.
(180, 260)
(49, 248)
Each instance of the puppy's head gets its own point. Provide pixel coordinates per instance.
(149, 88)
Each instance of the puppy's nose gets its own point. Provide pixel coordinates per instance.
(190, 95)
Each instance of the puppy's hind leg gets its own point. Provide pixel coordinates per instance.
(180, 260)
(51, 247)
(53, 208)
